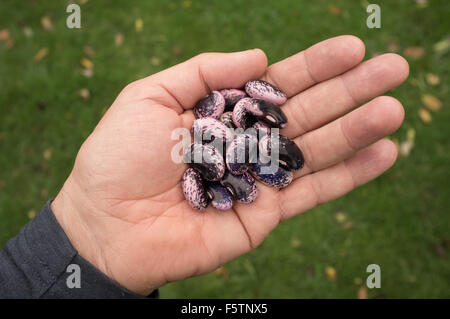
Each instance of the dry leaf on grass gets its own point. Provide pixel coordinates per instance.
(414, 52)
(139, 25)
(331, 273)
(42, 53)
(392, 46)
(433, 79)
(84, 93)
(47, 23)
(425, 116)
(31, 214)
(431, 102)
(362, 292)
(442, 46)
(347, 225)
(340, 217)
(186, 4)
(334, 9)
(44, 193)
(5, 35)
(405, 148)
(118, 39)
(86, 63)
(295, 243)
(221, 271)
(28, 32)
(155, 61)
(47, 154)
(88, 73)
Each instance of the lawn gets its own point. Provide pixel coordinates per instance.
(399, 221)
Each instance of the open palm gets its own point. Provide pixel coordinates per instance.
(123, 207)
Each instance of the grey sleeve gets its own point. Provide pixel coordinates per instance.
(40, 262)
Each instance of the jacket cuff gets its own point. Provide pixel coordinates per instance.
(40, 262)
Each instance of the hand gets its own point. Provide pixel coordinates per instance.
(122, 206)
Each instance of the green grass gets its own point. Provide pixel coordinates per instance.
(397, 219)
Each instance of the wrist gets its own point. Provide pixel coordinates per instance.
(72, 214)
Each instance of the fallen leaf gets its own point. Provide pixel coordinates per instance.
(86, 63)
(186, 4)
(83, 1)
(433, 79)
(405, 147)
(221, 272)
(295, 243)
(357, 281)
(392, 46)
(347, 225)
(47, 23)
(42, 53)
(47, 154)
(176, 51)
(333, 9)
(118, 39)
(44, 193)
(331, 273)
(31, 214)
(88, 51)
(88, 72)
(4, 35)
(442, 46)
(68, 116)
(414, 52)
(362, 292)
(2, 185)
(422, 3)
(411, 134)
(139, 24)
(425, 116)
(104, 109)
(155, 61)
(28, 32)
(340, 217)
(9, 43)
(431, 102)
(84, 93)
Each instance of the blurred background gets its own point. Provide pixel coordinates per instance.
(56, 83)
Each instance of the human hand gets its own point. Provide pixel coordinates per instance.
(122, 206)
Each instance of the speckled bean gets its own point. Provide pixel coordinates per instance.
(279, 178)
(263, 90)
(242, 187)
(232, 96)
(242, 151)
(267, 112)
(194, 189)
(220, 197)
(290, 156)
(207, 160)
(241, 117)
(207, 129)
(211, 106)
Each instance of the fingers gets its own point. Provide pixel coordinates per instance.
(328, 100)
(188, 82)
(326, 185)
(342, 138)
(320, 62)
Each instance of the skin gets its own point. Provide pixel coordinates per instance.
(122, 206)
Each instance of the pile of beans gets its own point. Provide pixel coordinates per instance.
(232, 127)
